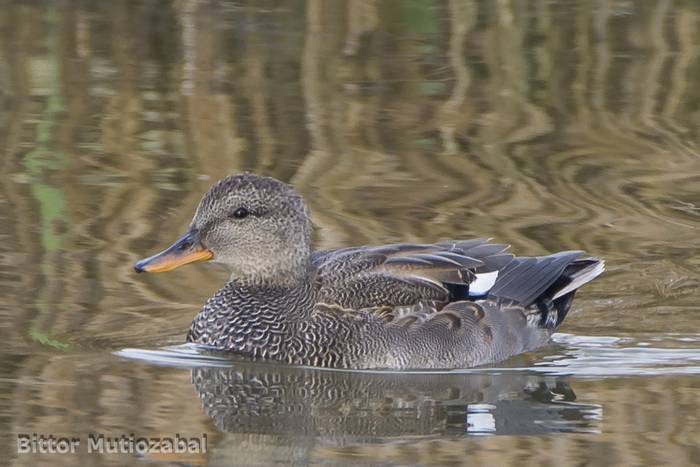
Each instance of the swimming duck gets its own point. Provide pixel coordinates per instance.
(450, 304)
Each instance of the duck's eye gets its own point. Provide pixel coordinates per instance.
(240, 213)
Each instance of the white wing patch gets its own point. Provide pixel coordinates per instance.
(482, 284)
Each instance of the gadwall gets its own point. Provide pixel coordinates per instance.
(451, 304)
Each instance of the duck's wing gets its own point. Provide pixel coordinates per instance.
(530, 299)
(397, 279)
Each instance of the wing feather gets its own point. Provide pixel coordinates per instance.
(404, 274)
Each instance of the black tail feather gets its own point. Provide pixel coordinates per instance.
(524, 280)
(549, 283)
(556, 301)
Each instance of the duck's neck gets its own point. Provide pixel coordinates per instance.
(290, 270)
(252, 318)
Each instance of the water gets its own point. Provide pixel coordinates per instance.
(547, 125)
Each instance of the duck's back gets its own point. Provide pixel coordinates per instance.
(445, 305)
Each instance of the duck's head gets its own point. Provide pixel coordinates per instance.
(257, 226)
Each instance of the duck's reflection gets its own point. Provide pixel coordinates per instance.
(267, 399)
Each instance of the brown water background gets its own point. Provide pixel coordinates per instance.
(546, 125)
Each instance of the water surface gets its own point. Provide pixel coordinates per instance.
(546, 125)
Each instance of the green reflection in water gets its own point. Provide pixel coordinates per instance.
(42, 160)
(418, 16)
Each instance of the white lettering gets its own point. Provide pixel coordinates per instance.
(99, 443)
(96, 443)
(23, 444)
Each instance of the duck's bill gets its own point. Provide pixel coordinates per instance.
(184, 251)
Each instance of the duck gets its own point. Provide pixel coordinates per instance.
(446, 305)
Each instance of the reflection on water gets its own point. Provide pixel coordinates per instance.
(339, 405)
(280, 412)
(601, 356)
(277, 399)
(547, 125)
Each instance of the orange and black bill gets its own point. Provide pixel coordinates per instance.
(185, 250)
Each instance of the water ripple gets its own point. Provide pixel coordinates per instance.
(580, 356)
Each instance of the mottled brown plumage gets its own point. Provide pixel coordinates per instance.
(391, 306)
